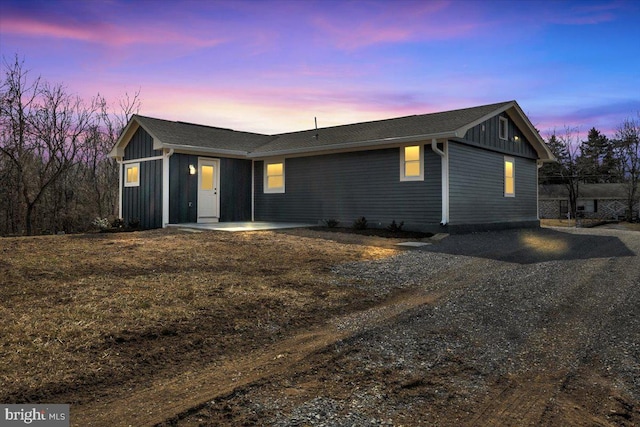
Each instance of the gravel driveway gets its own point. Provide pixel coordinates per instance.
(526, 327)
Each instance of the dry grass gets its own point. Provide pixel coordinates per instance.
(82, 313)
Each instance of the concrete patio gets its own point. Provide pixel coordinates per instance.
(242, 226)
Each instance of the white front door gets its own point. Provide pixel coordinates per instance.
(208, 195)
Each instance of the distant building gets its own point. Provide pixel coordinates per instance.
(601, 201)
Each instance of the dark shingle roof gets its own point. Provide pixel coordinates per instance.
(586, 191)
(188, 134)
(424, 124)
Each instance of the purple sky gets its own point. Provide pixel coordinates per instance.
(267, 66)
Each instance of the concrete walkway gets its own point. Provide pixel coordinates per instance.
(242, 226)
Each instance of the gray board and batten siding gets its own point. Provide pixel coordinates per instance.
(349, 185)
(234, 188)
(144, 202)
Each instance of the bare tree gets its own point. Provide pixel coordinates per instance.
(628, 150)
(567, 171)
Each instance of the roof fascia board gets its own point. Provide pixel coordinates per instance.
(192, 149)
(351, 146)
(463, 130)
(125, 137)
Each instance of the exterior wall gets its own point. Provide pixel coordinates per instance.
(607, 209)
(140, 146)
(485, 135)
(143, 203)
(234, 188)
(476, 188)
(350, 185)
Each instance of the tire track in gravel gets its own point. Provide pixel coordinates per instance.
(172, 399)
(543, 399)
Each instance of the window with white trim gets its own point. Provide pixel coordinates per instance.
(503, 128)
(412, 163)
(274, 177)
(509, 177)
(132, 175)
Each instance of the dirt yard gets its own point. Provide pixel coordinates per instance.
(297, 328)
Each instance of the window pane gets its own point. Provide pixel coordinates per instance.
(274, 169)
(132, 174)
(207, 178)
(412, 169)
(508, 169)
(508, 186)
(275, 182)
(411, 153)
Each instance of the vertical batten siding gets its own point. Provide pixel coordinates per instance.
(234, 188)
(144, 203)
(140, 146)
(476, 187)
(183, 189)
(489, 138)
(349, 185)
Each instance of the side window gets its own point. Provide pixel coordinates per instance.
(132, 175)
(509, 177)
(503, 128)
(412, 163)
(274, 177)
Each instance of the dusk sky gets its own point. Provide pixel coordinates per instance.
(272, 66)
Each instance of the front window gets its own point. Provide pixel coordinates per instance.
(274, 177)
(132, 175)
(411, 163)
(509, 177)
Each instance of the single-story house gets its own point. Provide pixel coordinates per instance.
(596, 201)
(473, 168)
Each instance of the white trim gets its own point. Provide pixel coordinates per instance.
(265, 189)
(143, 159)
(120, 187)
(253, 190)
(420, 176)
(513, 176)
(165, 187)
(503, 124)
(132, 165)
(444, 165)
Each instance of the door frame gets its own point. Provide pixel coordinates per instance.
(216, 163)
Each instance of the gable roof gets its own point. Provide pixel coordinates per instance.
(168, 134)
(442, 125)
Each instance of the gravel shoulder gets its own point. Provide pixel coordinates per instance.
(519, 327)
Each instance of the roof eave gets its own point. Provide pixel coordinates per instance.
(357, 145)
(204, 150)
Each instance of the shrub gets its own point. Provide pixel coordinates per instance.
(331, 223)
(360, 223)
(101, 223)
(134, 223)
(118, 223)
(395, 228)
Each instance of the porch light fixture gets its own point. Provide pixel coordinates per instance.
(516, 138)
(192, 170)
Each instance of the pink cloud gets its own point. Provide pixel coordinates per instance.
(393, 22)
(101, 33)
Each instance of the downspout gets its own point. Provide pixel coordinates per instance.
(120, 195)
(165, 187)
(444, 155)
(539, 164)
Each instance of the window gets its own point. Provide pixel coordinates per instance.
(503, 129)
(274, 177)
(206, 178)
(411, 163)
(509, 177)
(590, 206)
(132, 175)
